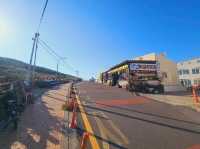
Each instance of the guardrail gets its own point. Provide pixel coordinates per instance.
(4, 87)
(10, 100)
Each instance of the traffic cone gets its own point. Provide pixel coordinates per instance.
(73, 123)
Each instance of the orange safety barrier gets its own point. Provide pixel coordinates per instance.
(195, 93)
(71, 92)
(70, 104)
(72, 99)
(73, 123)
(84, 140)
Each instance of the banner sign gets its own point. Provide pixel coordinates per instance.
(141, 66)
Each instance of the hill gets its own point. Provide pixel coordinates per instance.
(18, 70)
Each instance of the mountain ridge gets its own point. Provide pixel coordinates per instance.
(16, 69)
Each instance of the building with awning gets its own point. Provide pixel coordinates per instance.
(141, 68)
(147, 65)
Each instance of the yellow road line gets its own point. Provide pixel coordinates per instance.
(113, 137)
(88, 127)
(107, 132)
(102, 132)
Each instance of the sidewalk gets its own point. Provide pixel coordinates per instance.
(42, 123)
(175, 99)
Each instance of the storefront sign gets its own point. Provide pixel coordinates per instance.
(146, 67)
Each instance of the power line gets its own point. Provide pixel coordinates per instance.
(53, 53)
(42, 16)
(48, 47)
(34, 48)
(48, 51)
(69, 66)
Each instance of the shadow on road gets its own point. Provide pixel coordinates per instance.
(144, 120)
(55, 98)
(141, 112)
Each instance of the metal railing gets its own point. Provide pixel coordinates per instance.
(4, 87)
(10, 102)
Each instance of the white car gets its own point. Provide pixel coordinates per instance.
(123, 84)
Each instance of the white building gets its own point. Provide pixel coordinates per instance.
(189, 72)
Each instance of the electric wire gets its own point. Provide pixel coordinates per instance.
(42, 15)
(48, 51)
(54, 54)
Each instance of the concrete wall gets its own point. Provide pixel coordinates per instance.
(168, 70)
(150, 56)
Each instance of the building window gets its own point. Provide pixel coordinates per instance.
(187, 71)
(180, 72)
(195, 71)
(197, 82)
(184, 71)
(189, 83)
(186, 82)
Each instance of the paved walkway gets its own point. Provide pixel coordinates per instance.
(41, 124)
(175, 99)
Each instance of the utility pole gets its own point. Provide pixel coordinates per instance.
(34, 48)
(57, 69)
(35, 56)
(34, 51)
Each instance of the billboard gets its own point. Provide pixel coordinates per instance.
(142, 66)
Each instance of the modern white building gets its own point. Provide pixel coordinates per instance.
(189, 72)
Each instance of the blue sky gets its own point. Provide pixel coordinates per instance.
(96, 34)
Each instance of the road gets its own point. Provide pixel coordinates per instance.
(120, 119)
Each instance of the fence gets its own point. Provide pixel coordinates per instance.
(12, 98)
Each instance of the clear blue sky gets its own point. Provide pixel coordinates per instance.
(96, 34)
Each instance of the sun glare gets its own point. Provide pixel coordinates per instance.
(4, 30)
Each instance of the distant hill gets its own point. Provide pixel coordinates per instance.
(15, 69)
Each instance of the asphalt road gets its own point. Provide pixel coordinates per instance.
(120, 119)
